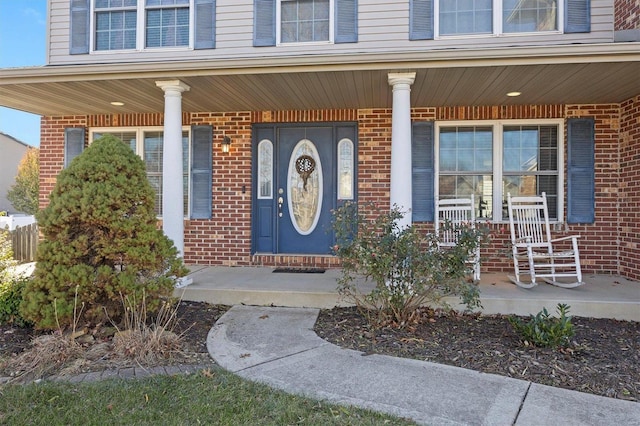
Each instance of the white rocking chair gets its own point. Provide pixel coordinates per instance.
(456, 212)
(531, 244)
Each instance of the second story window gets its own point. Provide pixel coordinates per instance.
(141, 24)
(287, 22)
(465, 17)
(305, 21)
(117, 25)
(529, 16)
(429, 19)
(167, 23)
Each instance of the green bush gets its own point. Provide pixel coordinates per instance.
(100, 236)
(10, 285)
(544, 330)
(10, 300)
(6, 256)
(408, 269)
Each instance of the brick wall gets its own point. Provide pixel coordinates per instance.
(627, 15)
(374, 156)
(599, 246)
(52, 150)
(226, 238)
(629, 200)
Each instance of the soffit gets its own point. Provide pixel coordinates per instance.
(359, 82)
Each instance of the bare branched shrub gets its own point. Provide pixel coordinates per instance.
(48, 353)
(146, 340)
(405, 264)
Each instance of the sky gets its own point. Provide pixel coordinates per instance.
(23, 26)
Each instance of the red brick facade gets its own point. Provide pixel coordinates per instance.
(629, 199)
(52, 150)
(627, 15)
(610, 245)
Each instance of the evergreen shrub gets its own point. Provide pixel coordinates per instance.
(101, 237)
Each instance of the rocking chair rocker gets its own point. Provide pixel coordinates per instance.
(456, 212)
(532, 245)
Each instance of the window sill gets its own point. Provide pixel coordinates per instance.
(305, 43)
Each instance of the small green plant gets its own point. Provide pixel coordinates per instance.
(6, 256)
(10, 299)
(408, 269)
(11, 286)
(544, 330)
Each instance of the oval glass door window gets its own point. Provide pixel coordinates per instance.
(304, 183)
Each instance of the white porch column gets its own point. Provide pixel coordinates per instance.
(401, 144)
(172, 192)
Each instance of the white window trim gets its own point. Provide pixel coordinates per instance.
(140, 32)
(304, 43)
(496, 24)
(498, 126)
(140, 131)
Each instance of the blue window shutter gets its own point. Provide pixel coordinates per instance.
(421, 19)
(577, 16)
(73, 144)
(581, 170)
(79, 27)
(205, 24)
(264, 23)
(201, 171)
(422, 171)
(346, 14)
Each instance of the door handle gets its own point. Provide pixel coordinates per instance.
(280, 201)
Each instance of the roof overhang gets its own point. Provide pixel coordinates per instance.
(575, 74)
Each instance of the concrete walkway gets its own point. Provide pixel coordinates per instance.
(278, 346)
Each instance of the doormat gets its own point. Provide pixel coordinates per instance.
(289, 270)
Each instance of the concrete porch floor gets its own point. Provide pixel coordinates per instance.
(602, 296)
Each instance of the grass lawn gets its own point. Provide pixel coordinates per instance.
(218, 398)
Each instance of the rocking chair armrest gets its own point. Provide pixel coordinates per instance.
(523, 239)
(568, 237)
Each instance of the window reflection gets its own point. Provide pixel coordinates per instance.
(345, 169)
(265, 169)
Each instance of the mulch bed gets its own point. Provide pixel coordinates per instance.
(194, 322)
(604, 358)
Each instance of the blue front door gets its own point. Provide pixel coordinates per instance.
(295, 176)
(304, 189)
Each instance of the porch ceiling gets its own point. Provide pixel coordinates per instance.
(474, 80)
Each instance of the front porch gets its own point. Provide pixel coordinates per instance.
(603, 296)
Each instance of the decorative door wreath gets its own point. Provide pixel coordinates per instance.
(305, 165)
